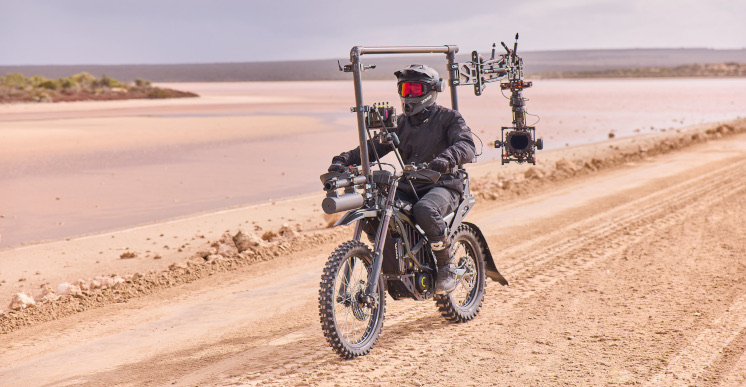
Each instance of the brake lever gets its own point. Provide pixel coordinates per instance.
(424, 174)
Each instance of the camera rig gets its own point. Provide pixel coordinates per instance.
(519, 142)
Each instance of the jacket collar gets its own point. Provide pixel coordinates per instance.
(422, 117)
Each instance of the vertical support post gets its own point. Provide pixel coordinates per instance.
(357, 70)
(452, 75)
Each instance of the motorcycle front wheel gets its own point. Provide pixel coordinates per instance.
(350, 325)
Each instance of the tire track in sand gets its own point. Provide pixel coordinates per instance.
(607, 234)
(627, 215)
(690, 363)
(633, 220)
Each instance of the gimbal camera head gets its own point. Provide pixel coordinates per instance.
(519, 141)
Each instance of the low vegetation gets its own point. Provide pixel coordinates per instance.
(79, 87)
(692, 70)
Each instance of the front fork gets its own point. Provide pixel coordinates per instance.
(347, 271)
(383, 227)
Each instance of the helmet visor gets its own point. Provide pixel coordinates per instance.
(412, 89)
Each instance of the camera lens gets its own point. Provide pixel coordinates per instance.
(519, 140)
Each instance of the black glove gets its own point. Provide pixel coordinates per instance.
(336, 167)
(439, 164)
(338, 163)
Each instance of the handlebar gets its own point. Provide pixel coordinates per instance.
(349, 177)
(420, 172)
(344, 182)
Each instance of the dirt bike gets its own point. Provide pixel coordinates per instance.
(352, 295)
(356, 278)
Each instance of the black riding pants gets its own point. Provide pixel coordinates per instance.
(431, 208)
(428, 212)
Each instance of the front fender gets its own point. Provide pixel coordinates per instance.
(489, 262)
(355, 215)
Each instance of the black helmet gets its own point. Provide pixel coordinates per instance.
(418, 87)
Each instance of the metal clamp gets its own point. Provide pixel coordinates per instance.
(365, 109)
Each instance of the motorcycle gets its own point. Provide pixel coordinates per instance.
(399, 262)
(352, 294)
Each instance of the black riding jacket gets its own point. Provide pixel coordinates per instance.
(435, 132)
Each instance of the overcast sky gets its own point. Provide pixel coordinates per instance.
(201, 31)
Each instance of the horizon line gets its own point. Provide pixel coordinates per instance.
(334, 59)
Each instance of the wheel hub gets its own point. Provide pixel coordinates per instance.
(359, 308)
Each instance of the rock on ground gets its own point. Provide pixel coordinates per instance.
(288, 232)
(47, 295)
(533, 173)
(246, 240)
(565, 166)
(270, 236)
(65, 288)
(21, 301)
(226, 247)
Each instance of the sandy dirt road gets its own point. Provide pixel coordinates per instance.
(635, 275)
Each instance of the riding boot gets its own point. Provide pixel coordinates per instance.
(446, 280)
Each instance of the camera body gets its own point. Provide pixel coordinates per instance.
(520, 145)
(519, 142)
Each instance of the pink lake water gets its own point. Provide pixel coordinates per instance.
(49, 192)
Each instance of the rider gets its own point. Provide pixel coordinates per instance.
(432, 134)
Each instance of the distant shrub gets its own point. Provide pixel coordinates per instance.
(42, 96)
(110, 82)
(37, 80)
(78, 87)
(49, 84)
(84, 79)
(67, 83)
(729, 69)
(141, 83)
(15, 81)
(158, 93)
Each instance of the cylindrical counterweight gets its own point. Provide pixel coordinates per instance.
(344, 202)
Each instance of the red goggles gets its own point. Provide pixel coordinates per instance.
(412, 89)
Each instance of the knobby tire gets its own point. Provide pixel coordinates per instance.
(469, 253)
(343, 318)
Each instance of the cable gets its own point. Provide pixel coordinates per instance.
(388, 165)
(481, 145)
(502, 91)
(537, 118)
(375, 152)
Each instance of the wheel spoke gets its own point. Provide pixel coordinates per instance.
(465, 259)
(353, 317)
(464, 302)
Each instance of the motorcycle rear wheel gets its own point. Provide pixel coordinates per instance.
(464, 302)
(350, 326)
